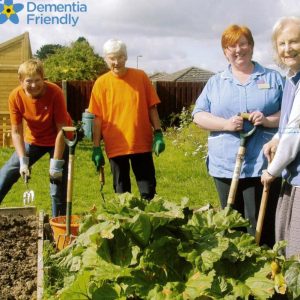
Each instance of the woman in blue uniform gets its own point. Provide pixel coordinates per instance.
(245, 86)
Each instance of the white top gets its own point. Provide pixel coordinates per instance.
(289, 143)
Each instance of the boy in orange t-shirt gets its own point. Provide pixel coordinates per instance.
(42, 106)
(124, 104)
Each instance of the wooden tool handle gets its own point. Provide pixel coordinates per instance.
(262, 209)
(70, 178)
(69, 194)
(236, 176)
(262, 213)
(245, 115)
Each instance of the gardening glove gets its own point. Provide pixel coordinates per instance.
(56, 170)
(98, 157)
(158, 145)
(24, 167)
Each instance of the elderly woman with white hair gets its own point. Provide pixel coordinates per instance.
(286, 42)
(124, 104)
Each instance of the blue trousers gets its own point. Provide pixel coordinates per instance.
(9, 175)
(143, 168)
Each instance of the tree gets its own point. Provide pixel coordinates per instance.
(75, 62)
(82, 39)
(47, 50)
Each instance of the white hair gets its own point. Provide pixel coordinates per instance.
(114, 46)
(277, 28)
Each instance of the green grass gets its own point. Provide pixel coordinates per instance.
(180, 172)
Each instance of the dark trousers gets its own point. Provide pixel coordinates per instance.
(143, 168)
(247, 202)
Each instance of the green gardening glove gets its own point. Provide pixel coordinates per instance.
(98, 157)
(158, 145)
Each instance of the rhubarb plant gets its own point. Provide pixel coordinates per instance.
(133, 249)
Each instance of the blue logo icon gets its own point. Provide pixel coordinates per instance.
(9, 10)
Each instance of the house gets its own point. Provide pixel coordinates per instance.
(12, 53)
(156, 76)
(179, 89)
(191, 74)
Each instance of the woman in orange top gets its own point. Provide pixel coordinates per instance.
(124, 104)
(42, 106)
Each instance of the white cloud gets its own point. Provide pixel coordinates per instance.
(169, 34)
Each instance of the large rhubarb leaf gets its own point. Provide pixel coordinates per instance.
(292, 277)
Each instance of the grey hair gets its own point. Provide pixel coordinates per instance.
(277, 28)
(114, 46)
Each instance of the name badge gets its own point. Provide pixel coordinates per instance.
(263, 85)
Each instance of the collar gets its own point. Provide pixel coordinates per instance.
(257, 71)
(293, 77)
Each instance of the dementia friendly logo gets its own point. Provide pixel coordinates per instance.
(9, 10)
(42, 13)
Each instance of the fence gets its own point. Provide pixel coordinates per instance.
(77, 93)
(173, 95)
(176, 95)
(5, 129)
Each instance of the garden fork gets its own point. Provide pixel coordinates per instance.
(28, 195)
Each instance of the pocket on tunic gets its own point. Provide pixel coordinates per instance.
(216, 147)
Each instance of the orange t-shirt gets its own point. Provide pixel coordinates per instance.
(41, 115)
(122, 104)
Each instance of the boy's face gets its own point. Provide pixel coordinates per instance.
(33, 85)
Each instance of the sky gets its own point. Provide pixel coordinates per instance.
(161, 35)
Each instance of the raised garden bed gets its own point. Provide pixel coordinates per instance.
(20, 254)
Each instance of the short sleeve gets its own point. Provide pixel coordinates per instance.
(60, 108)
(94, 106)
(14, 111)
(203, 102)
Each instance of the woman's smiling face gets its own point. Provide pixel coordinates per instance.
(240, 53)
(288, 46)
(116, 63)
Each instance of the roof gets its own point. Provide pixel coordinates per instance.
(15, 51)
(191, 74)
(156, 76)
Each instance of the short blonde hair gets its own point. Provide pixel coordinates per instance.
(114, 46)
(277, 29)
(31, 67)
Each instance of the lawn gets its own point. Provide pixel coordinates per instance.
(180, 172)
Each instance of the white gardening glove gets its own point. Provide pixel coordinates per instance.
(56, 170)
(24, 167)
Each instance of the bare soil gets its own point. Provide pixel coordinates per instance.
(18, 257)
